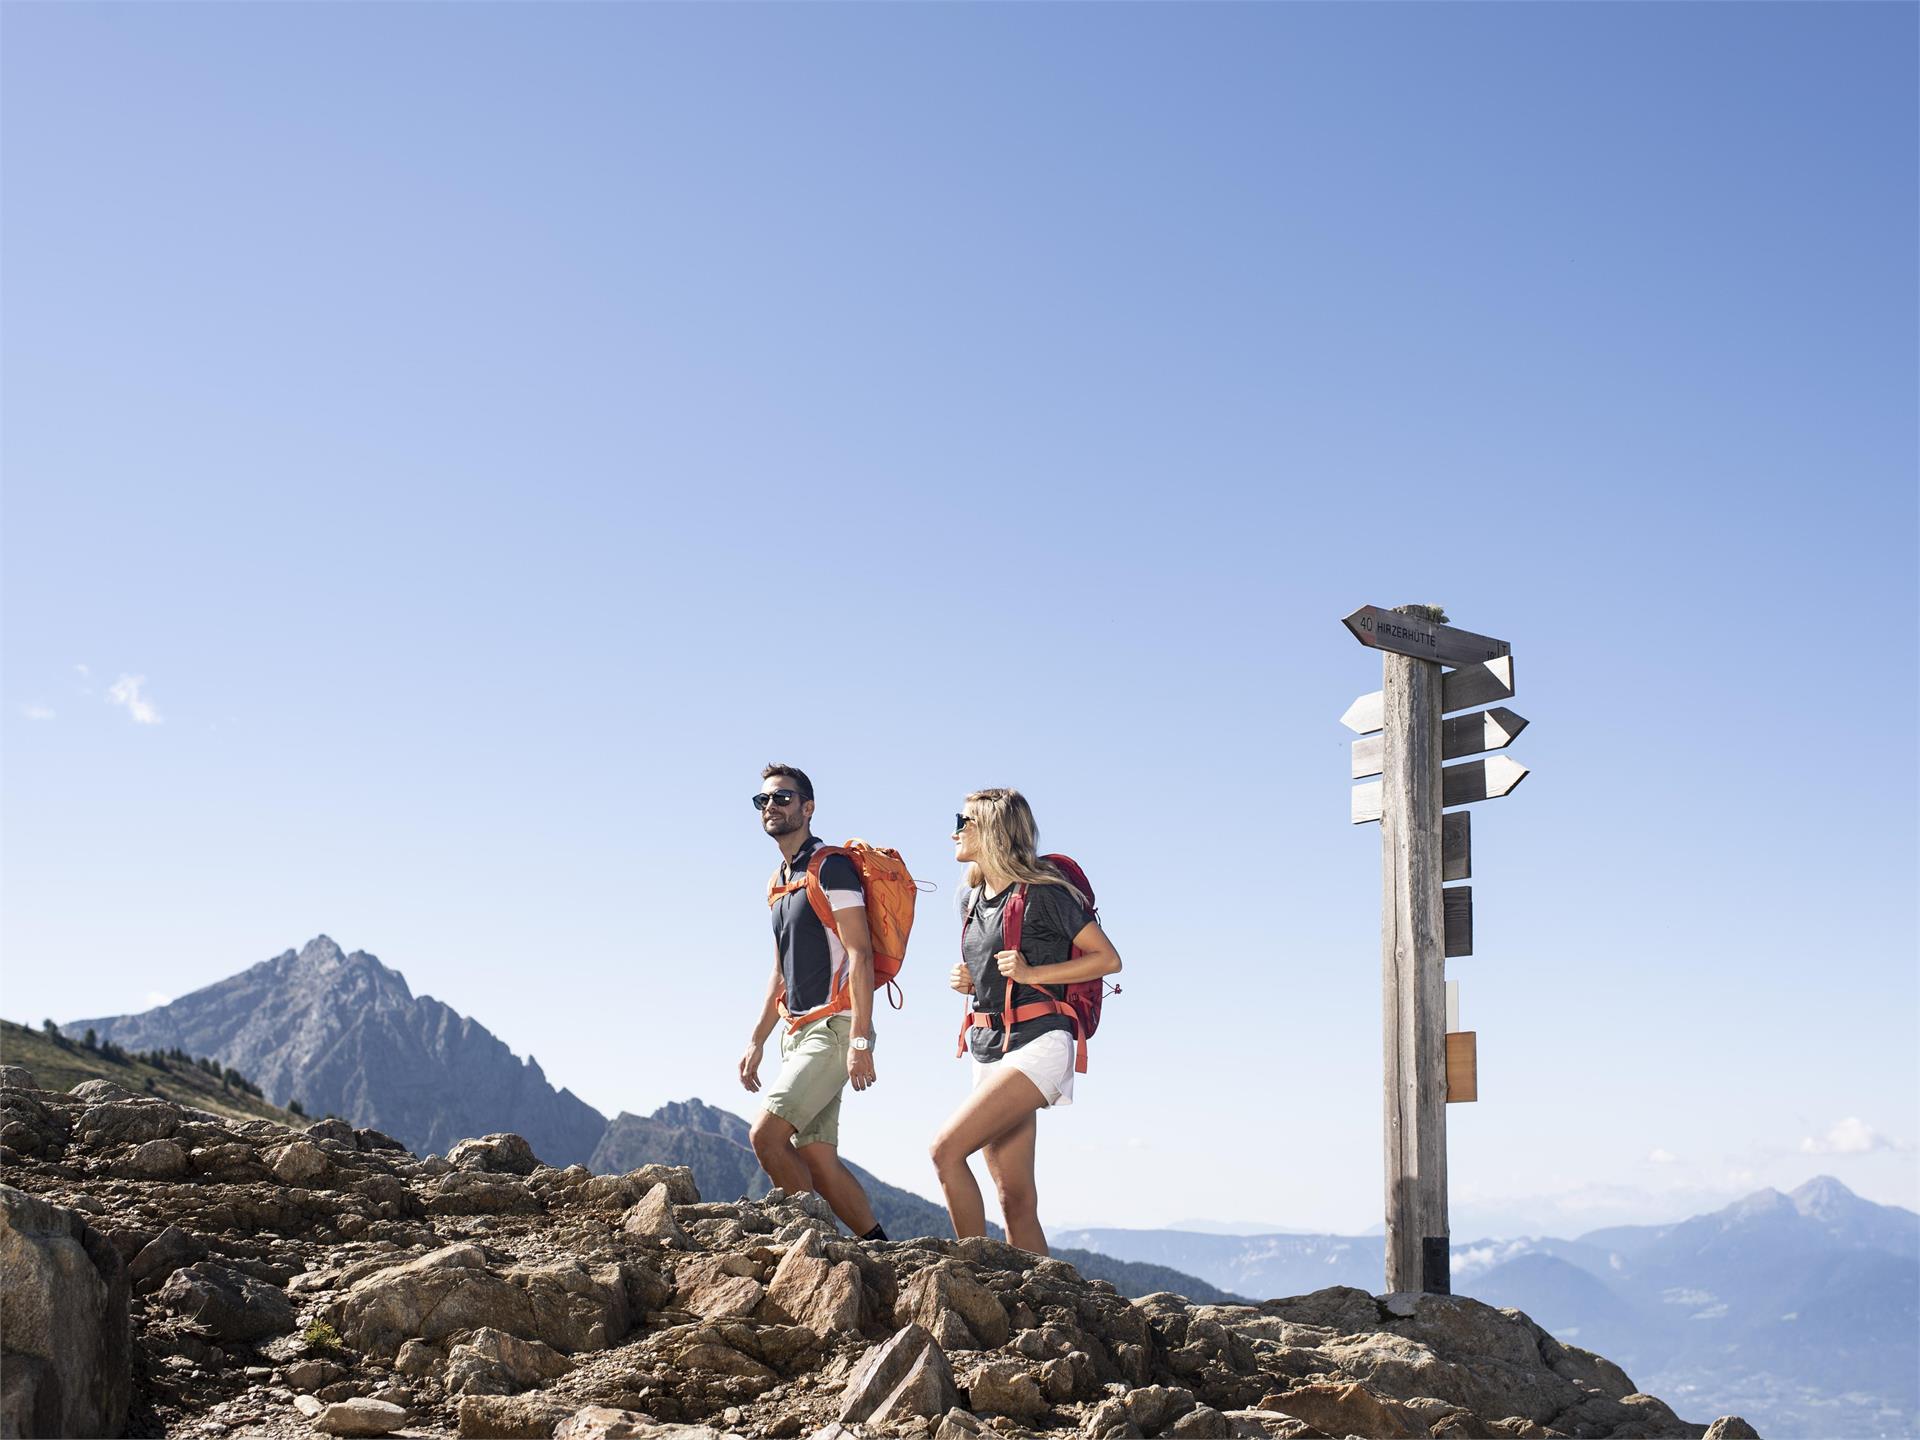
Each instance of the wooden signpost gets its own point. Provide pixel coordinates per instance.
(1405, 741)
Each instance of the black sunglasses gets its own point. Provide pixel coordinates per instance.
(782, 798)
(960, 822)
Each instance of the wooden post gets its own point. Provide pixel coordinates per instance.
(1414, 978)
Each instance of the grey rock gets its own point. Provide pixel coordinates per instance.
(1731, 1427)
(1005, 1387)
(1154, 1407)
(232, 1305)
(809, 1289)
(96, 1091)
(470, 1192)
(653, 1218)
(300, 1162)
(308, 1406)
(63, 1312)
(1109, 1421)
(927, 1389)
(153, 1160)
(568, 1305)
(492, 1362)
(893, 1368)
(603, 1422)
(499, 1154)
(1203, 1422)
(417, 1359)
(512, 1417)
(707, 1287)
(945, 1292)
(126, 1122)
(312, 1374)
(162, 1255)
(17, 1077)
(360, 1416)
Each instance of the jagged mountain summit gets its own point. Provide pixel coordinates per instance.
(343, 1034)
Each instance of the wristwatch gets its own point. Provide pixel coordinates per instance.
(861, 1042)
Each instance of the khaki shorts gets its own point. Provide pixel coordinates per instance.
(813, 1072)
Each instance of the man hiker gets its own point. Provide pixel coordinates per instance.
(821, 997)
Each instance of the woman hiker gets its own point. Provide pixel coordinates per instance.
(1017, 1074)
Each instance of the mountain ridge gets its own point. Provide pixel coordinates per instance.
(344, 1034)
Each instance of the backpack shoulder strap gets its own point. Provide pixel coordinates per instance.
(1014, 919)
(817, 892)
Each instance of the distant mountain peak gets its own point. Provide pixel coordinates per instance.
(1823, 1198)
(343, 1033)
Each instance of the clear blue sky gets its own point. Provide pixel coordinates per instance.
(489, 433)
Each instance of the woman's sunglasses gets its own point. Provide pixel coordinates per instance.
(782, 798)
(960, 822)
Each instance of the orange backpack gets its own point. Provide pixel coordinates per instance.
(890, 894)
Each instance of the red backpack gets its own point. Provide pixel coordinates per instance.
(1083, 997)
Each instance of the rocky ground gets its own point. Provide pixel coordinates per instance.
(172, 1272)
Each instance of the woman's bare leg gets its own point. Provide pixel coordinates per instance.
(999, 1105)
(1010, 1163)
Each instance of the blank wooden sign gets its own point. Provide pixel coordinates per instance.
(1463, 1066)
(1456, 909)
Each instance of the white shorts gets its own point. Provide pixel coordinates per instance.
(1047, 1061)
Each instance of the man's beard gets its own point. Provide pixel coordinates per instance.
(778, 825)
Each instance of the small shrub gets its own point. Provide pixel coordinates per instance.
(321, 1336)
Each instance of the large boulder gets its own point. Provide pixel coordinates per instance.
(905, 1376)
(961, 1313)
(568, 1305)
(807, 1288)
(492, 1362)
(228, 1304)
(65, 1344)
(494, 1155)
(126, 1122)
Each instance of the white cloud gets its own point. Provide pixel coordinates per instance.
(1662, 1156)
(36, 712)
(82, 671)
(1851, 1136)
(126, 691)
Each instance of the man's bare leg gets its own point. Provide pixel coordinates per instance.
(773, 1144)
(835, 1184)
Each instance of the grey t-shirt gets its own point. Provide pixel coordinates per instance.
(1054, 916)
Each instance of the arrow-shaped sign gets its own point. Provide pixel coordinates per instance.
(1493, 729)
(1480, 780)
(1461, 689)
(1459, 785)
(1380, 629)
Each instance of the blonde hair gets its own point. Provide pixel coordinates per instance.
(1009, 841)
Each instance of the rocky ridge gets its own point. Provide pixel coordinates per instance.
(274, 1282)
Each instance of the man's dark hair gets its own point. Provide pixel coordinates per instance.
(793, 773)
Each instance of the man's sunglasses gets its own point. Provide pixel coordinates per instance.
(782, 798)
(960, 822)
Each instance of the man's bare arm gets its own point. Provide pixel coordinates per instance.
(851, 924)
(769, 1017)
